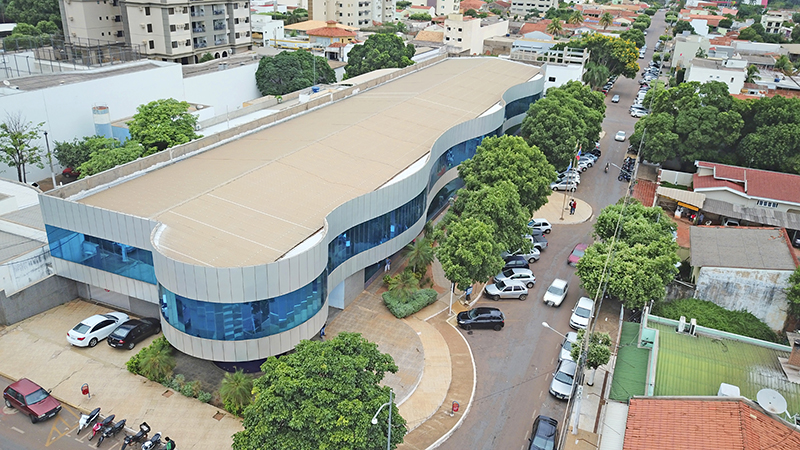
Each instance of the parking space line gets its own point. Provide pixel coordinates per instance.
(17, 430)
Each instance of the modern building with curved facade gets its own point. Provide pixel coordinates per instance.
(243, 246)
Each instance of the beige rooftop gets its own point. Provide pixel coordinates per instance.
(252, 200)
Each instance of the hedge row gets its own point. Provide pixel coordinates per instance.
(711, 315)
(405, 307)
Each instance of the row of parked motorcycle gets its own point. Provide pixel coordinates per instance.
(106, 428)
(627, 169)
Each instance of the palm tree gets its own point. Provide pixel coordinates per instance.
(784, 66)
(236, 391)
(157, 363)
(420, 253)
(606, 20)
(595, 75)
(576, 18)
(555, 28)
(752, 74)
(404, 284)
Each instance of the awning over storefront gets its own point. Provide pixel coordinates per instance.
(691, 200)
(763, 216)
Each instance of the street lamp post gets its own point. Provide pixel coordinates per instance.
(389, 427)
(547, 325)
(50, 159)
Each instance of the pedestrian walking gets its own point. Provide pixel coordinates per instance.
(322, 331)
(572, 205)
(468, 292)
(170, 444)
(388, 265)
(700, 219)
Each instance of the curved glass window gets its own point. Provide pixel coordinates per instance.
(521, 105)
(457, 154)
(240, 321)
(101, 254)
(441, 200)
(374, 232)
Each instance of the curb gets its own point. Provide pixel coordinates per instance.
(447, 435)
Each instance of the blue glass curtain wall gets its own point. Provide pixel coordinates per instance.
(441, 200)
(374, 232)
(457, 154)
(101, 254)
(520, 105)
(241, 321)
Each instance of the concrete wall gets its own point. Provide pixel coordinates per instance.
(36, 298)
(675, 177)
(760, 292)
(222, 89)
(677, 290)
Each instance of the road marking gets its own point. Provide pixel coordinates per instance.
(534, 412)
(17, 430)
(540, 394)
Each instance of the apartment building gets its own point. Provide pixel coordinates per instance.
(92, 19)
(354, 13)
(773, 21)
(172, 30)
(468, 34)
(443, 7)
(522, 7)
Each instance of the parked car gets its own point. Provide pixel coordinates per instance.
(523, 275)
(583, 165)
(620, 136)
(566, 346)
(564, 185)
(730, 222)
(134, 331)
(543, 436)
(573, 176)
(639, 113)
(615, 99)
(556, 293)
(577, 254)
(540, 224)
(70, 172)
(506, 289)
(538, 240)
(515, 261)
(31, 399)
(581, 313)
(93, 329)
(482, 317)
(563, 380)
(531, 257)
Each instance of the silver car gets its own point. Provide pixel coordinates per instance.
(506, 289)
(524, 275)
(563, 380)
(566, 346)
(556, 293)
(583, 311)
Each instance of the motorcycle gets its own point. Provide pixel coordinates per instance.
(88, 419)
(153, 443)
(607, 165)
(111, 431)
(97, 428)
(140, 436)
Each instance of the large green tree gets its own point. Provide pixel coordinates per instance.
(509, 158)
(322, 396)
(468, 251)
(73, 154)
(568, 118)
(606, 20)
(162, 124)
(110, 156)
(682, 26)
(379, 51)
(16, 148)
(793, 292)
(633, 35)
(619, 55)
(292, 71)
(498, 204)
(596, 75)
(33, 11)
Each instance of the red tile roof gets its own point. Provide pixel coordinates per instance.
(745, 96)
(538, 26)
(331, 31)
(760, 183)
(466, 5)
(724, 40)
(503, 4)
(704, 424)
(426, 8)
(713, 21)
(645, 192)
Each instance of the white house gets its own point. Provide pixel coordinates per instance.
(732, 72)
(269, 30)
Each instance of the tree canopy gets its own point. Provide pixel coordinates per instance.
(32, 12)
(379, 51)
(162, 124)
(292, 71)
(468, 252)
(644, 257)
(73, 154)
(618, 54)
(633, 35)
(793, 292)
(322, 396)
(682, 26)
(569, 117)
(110, 155)
(16, 150)
(598, 351)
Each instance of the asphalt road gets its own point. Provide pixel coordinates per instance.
(515, 365)
(59, 433)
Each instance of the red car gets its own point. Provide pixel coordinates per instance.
(576, 254)
(69, 172)
(31, 399)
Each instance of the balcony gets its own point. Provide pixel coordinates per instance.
(221, 42)
(199, 29)
(198, 13)
(201, 44)
(117, 18)
(217, 12)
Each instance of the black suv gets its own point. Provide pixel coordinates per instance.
(482, 317)
(543, 436)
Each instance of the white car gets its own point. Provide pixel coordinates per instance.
(566, 346)
(556, 293)
(620, 136)
(94, 329)
(565, 185)
(540, 224)
(524, 275)
(639, 113)
(615, 99)
(581, 313)
(531, 256)
(506, 289)
(574, 176)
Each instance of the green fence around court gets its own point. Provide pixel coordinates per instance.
(630, 369)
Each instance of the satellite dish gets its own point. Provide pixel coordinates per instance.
(6, 83)
(772, 401)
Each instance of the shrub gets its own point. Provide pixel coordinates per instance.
(711, 315)
(233, 408)
(195, 387)
(186, 390)
(401, 308)
(133, 363)
(156, 361)
(204, 396)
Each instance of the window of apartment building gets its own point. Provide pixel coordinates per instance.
(99, 17)
(459, 39)
(102, 34)
(235, 6)
(174, 44)
(247, 33)
(146, 10)
(447, 38)
(172, 28)
(151, 44)
(149, 27)
(185, 10)
(552, 79)
(186, 26)
(236, 21)
(171, 11)
(767, 204)
(237, 35)
(459, 30)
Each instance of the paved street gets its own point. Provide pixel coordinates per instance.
(514, 367)
(59, 433)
